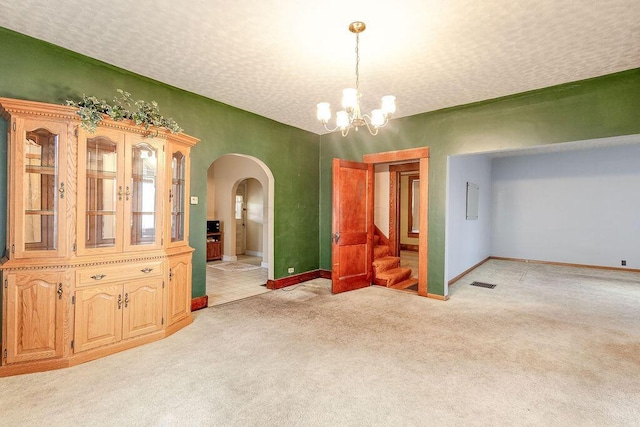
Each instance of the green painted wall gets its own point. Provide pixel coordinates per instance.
(595, 108)
(301, 161)
(35, 70)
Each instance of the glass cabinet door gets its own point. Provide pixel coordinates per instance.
(100, 191)
(142, 194)
(101, 181)
(177, 196)
(40, 189)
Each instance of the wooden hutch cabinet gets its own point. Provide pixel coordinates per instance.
(97, 256)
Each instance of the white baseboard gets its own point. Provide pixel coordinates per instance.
(229, 258)
(264, 264)
(253, 253)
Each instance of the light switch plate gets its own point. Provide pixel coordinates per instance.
(194, 200)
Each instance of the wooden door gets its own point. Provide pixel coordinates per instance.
(352, 226)
(179, 292)
(142, 307)
(241, 218)
(98, 317)
(34, 316)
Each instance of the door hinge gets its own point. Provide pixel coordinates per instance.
(72, 343)
(5, 353)
(6, 283)
(13, 248)
(162, 322)
(74, 247)
(73, 299)
(14, 128)
(75, 132)
(162, 242)
(162, 284)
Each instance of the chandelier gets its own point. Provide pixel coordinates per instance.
(351, 116)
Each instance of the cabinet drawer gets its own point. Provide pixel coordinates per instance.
(117, 273)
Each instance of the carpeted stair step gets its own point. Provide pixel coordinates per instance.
(391, 277)
(385, 263)
(380, 251)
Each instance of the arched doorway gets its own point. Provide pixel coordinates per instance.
(251, 219)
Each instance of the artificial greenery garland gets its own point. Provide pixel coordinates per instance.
(92, 110)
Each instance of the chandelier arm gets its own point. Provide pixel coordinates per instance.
(327, 127)
(367, 121)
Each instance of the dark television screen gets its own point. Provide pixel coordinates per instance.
(213, 226)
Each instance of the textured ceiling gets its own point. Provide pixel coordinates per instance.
(279, 58)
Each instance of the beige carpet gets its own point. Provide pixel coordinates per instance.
(548, 346)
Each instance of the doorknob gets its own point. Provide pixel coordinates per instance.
(335, 237)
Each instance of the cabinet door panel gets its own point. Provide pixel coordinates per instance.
(142, 308)
(38, 176)
(34, 316)
(98, 317)
(178, 195)
(100, 191)
(144, 164)
(179, 292)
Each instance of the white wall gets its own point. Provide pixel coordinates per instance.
(381, 199)
(467, 241)
(579, 207)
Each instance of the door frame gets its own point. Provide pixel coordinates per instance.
(422, 156)
(395, 175)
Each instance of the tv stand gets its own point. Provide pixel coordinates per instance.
(214, 246)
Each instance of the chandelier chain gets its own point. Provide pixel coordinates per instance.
(357, 62)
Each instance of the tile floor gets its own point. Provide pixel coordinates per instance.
(227, 286)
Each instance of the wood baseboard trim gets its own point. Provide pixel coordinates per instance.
(411, 248)
(178, 325)
(88, 355)
(468, 270)
(198, 303)
(31, 367)
(324, 274)
(283, 282)
(567, 264)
